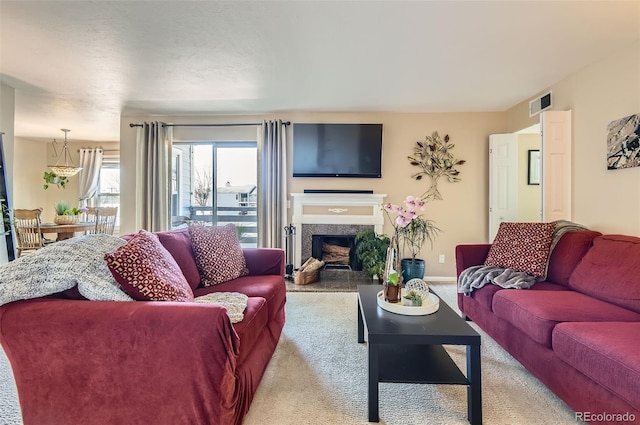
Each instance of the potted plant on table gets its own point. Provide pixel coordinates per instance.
(412, 298)
(371, 250)
(413, 231)
(65, 214)
(392, 287)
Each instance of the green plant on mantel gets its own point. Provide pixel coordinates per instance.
(435, 160)
(52, 178)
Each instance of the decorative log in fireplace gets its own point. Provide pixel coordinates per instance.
(335, 254)
(336, 251)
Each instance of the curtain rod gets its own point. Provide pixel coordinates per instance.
(208, 125)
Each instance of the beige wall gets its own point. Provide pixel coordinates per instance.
(528, 195)
(605, 200)
(462, 215)
(31, 162)
(32, 158)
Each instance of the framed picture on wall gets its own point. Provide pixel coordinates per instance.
(533, 169)
(623, 143)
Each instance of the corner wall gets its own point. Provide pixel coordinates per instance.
(604, 200)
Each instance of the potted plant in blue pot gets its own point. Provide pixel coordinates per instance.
(413, 237)
(411, 231)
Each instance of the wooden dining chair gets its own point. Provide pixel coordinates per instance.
(27, 229)
(105, 218)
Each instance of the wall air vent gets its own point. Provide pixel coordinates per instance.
(540, 104)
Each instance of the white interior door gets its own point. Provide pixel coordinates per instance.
(556, 165)
(503, 180)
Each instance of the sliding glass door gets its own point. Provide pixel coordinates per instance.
(215, 183)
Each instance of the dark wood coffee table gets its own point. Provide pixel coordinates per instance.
(409, 349)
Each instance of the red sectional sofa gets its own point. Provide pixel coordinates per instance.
(104, 362)
(577, 331)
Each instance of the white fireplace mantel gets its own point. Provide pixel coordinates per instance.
(337, 212)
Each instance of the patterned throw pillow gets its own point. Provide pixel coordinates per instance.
(147, 272)
(523, 247)
(218, 253)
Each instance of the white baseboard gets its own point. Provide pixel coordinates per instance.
(440, 278)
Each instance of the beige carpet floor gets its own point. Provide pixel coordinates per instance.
(318, 375)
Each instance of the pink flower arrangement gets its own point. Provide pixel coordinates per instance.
(407, 214)
(409, 226)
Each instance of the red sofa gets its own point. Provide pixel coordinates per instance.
(102, 362)
(577, 331)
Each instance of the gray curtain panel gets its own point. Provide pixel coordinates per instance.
(272, 183)
(153, 148)
(91, 162)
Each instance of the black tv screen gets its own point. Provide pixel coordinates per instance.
(337, 150)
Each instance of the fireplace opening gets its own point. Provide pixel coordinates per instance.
(336, 251)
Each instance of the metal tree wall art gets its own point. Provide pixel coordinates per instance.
(435, 160)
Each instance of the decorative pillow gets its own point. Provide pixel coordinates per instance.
(523, 247)
(147, 271)
(178, 243)
(61, 266)
(218, 253)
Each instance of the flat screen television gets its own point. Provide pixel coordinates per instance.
(337, 150)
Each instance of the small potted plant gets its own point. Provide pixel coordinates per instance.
(412, 298)
(371, 250)
(392, 287)
(67, 215)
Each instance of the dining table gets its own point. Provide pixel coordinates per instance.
(66, 231)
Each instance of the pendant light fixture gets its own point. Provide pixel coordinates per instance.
(68, 169)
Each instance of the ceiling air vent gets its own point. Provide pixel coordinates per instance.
(540, 104)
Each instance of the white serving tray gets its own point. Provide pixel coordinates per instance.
(429, 306)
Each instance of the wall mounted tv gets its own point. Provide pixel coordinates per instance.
(337, 150)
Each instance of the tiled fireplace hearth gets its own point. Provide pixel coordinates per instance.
(332, 214)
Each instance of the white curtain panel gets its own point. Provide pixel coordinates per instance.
(153, 173)
(272, 183)
(89, 177)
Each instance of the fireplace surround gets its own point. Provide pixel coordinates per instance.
(332, 214)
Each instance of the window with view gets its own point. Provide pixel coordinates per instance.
(214, 183)
(109, 188)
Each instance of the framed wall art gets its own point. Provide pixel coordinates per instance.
(623, 142)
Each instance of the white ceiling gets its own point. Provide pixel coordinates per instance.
(81, 64)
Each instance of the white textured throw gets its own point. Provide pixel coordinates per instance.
(234, 302)
(61, 266)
